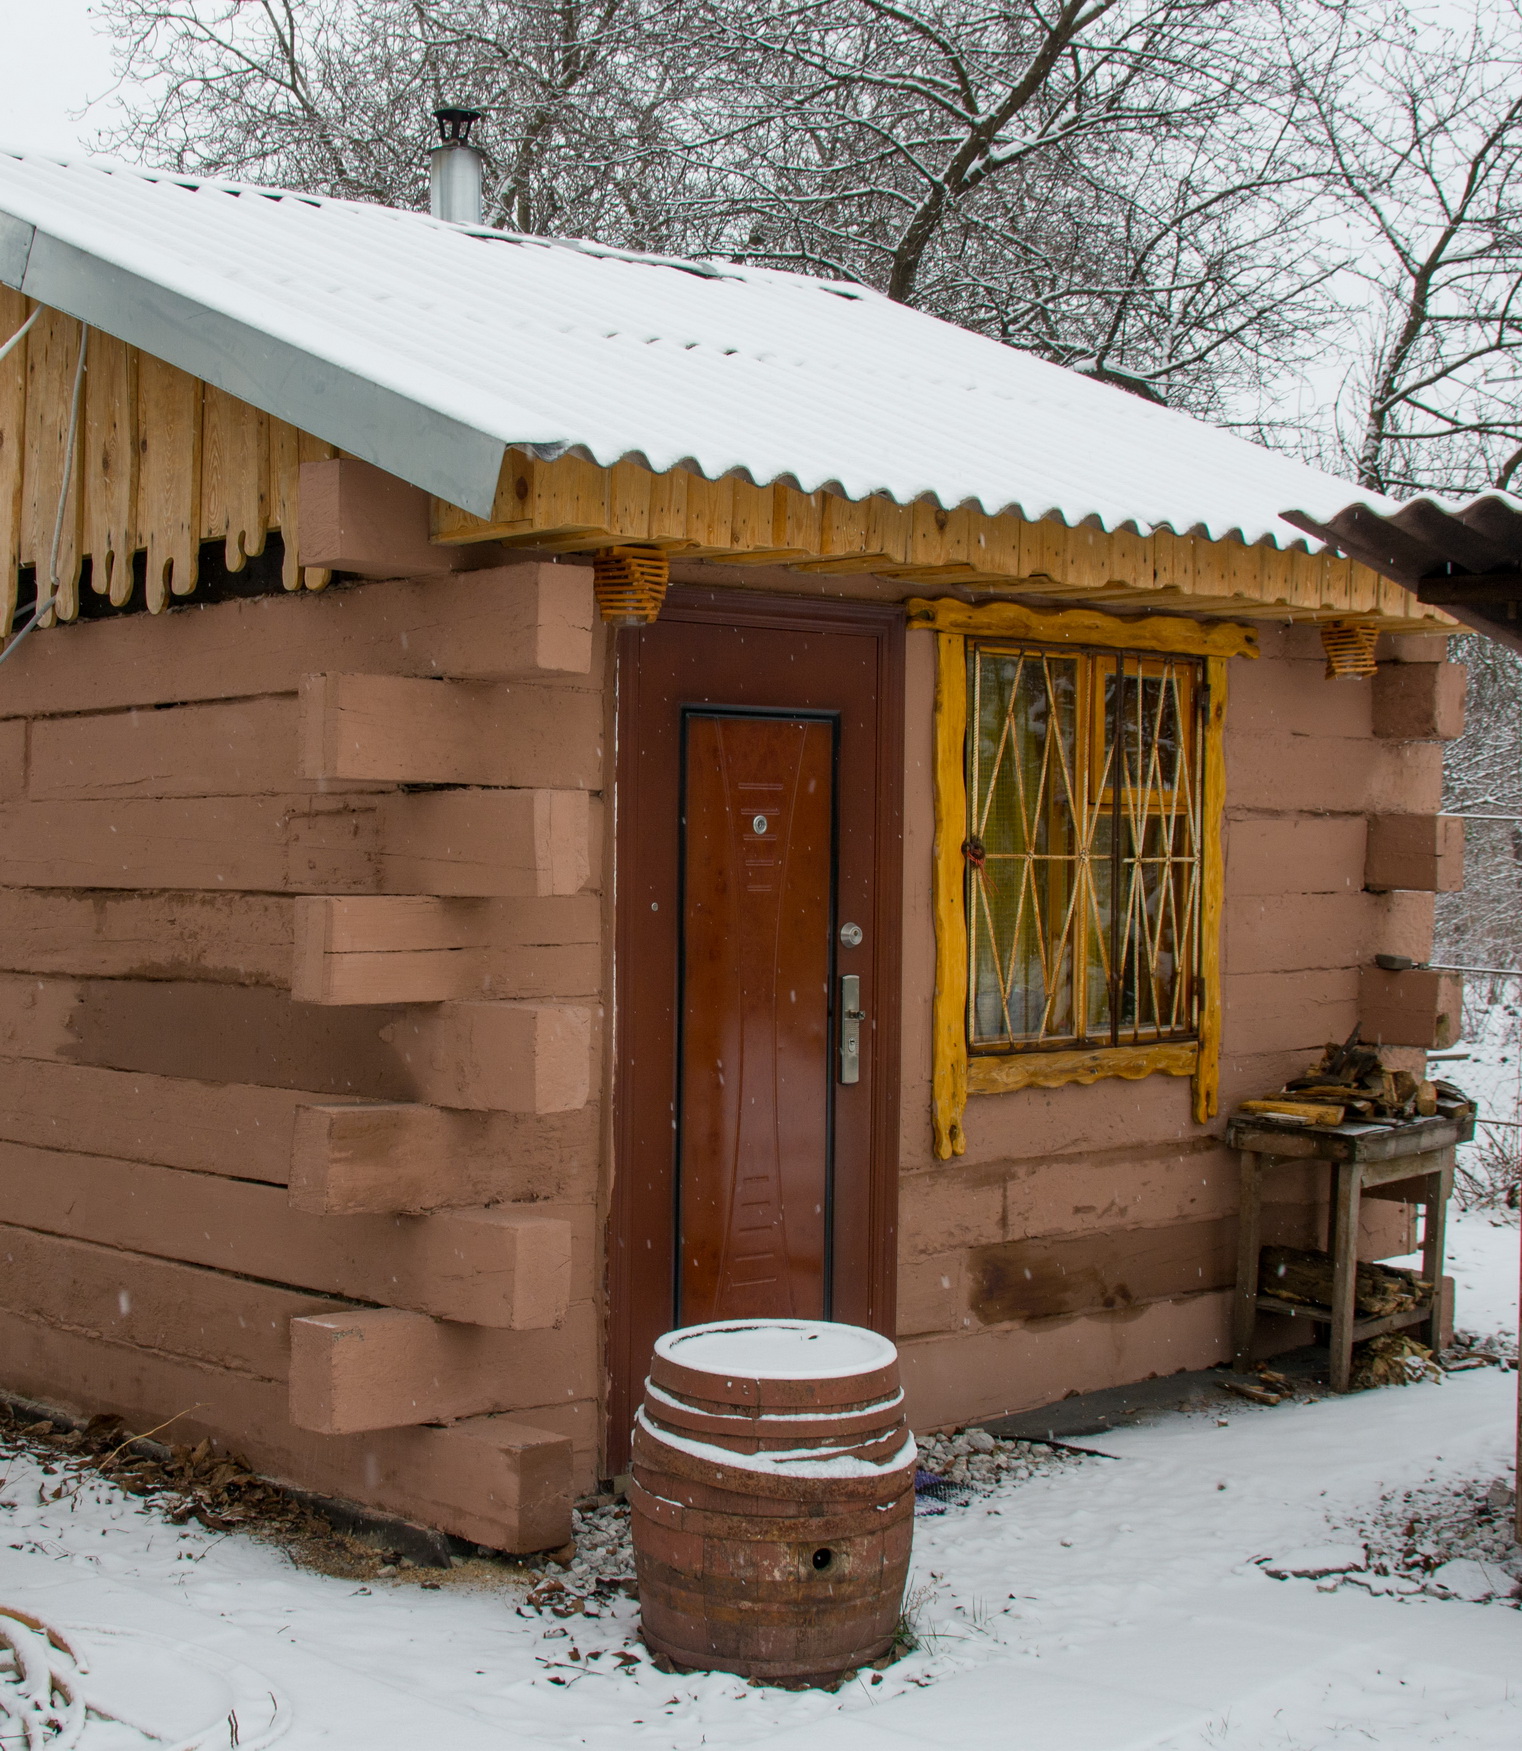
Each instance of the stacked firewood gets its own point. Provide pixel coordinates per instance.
(1292, 1274)
(1351, 1084)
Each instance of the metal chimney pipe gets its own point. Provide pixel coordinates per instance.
(454, 169)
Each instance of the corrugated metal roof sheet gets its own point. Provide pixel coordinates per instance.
(429, 347)
(1462, 555)
(1429, 537)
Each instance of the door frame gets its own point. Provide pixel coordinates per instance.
(745, 610)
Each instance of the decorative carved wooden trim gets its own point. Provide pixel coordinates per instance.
(1084, 626)
(949, 1026)
(1207, 1075)
(988, 1074)
(955, 1074)
(573, 505)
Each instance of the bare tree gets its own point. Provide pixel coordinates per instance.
(1116, 184)
(1482, 780)
(1120, 185)
(1427, 149)
(335, 97)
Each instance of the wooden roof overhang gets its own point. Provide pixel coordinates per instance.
(572, 506)
(166, 462)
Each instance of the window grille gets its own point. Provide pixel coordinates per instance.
(1084, 856)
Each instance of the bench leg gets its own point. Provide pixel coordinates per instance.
(1249, 1221)
(1434, 1239)
(1345, 1202)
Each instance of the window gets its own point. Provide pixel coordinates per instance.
(1079, 781)
(1083, 846)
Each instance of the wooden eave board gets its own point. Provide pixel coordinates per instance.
(570, 505)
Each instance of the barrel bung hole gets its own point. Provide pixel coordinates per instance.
(823, 1559)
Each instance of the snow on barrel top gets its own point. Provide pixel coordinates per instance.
(777, 1349)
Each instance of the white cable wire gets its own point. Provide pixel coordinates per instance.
(40, 607)
(20, 334)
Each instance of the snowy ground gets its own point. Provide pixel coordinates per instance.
(1104, 1604)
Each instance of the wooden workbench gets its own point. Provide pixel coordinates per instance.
(1408, 1163)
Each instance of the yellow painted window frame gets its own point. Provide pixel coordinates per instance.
(955, 1073)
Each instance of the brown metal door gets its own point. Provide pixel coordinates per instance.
(749, 1178)
(753, 1131)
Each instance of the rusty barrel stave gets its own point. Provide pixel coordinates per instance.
(772, 1491)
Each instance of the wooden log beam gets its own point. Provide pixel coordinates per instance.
(377, 1157)
(357, 518)
(507, 843)
(514, 948)
(154, 1304)
(356, 732)
(266, 843)
(199, 1126)
(238, 938)
(1419, 702)
(1420, 852)
(512, 1057)
(380, 1368)
(508, 1057)
(503, 1481)
(431, 950)
(1415, 1008)
(399, 730)
(250, 1133)
(465, 842)
(522, 621)
(508, 1268)
(238, 748)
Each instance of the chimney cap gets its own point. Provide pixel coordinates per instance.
(455, 124)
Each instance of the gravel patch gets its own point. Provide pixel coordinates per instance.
(953, 1468)
(965, 1463)
(976, 1460)
(602, 1565)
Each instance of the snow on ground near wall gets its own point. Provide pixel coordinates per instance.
(1116, 1604)
(1482, 1260)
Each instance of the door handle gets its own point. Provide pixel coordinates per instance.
(851, 1017)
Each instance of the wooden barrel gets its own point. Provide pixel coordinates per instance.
(772, 1490)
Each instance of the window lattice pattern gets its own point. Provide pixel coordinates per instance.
(1083, 850)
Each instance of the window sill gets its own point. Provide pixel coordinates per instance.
(1001, 1075)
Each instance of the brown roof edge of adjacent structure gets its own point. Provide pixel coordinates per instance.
(1464, 556)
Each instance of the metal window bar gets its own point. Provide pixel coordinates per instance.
(1084, 854)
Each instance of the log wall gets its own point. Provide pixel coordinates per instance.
(300, 1035)
(302, 953)
(1087, 1238)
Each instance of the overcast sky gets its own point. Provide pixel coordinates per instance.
(51, 64)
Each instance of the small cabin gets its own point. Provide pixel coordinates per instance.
(548, 794)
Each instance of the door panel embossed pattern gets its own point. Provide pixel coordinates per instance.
(755, 1134)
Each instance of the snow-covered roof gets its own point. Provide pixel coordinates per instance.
(429, 348)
